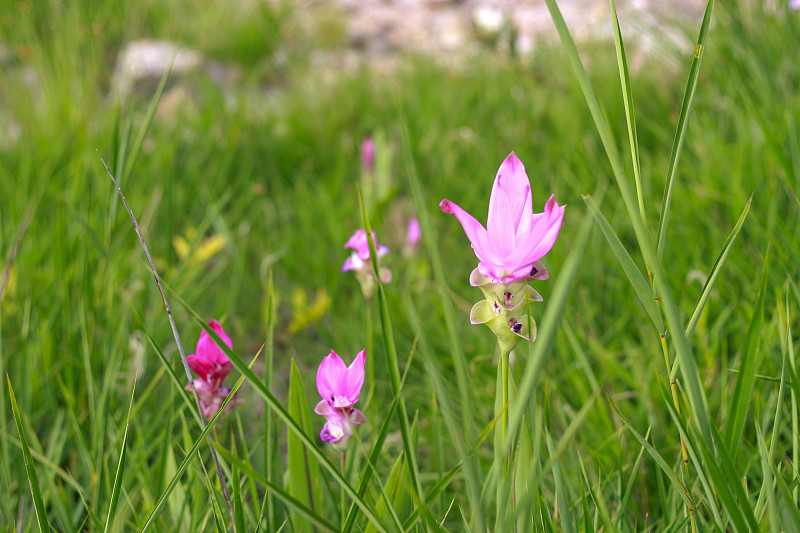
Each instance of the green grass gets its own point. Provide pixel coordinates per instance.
(597, 427)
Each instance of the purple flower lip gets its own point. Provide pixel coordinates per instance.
(515, 237)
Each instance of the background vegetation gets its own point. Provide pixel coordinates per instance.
(258, 174)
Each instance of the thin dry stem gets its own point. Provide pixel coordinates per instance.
(176, 336)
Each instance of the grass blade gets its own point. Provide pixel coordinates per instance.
(30, 469)
(304, 479)
(680, 133)
(391, 355)
(716, 270)
(640, 285)
(627, 99)
(673, 477)
(745, 379)
(688, 365)
(112, 506)
(472, 473)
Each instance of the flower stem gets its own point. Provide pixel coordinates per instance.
(343, 500)
(676, 404)
(371, 365)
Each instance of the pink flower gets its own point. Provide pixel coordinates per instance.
(515, 237)
(211, 364)
(340, 387)
(368, 154)
(413, 234)
(209, 361)
(360, 256)
(359, 262)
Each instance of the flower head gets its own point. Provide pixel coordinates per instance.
(414, 233)
(359, 261)
(209, 361)
(359, 243)
(340, 387)
(515, 237)
(368, 154)
(211, 364)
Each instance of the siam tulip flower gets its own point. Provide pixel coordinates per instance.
(340, 387)
(794, 5)
(368, 154)
(413, 234)
(211, 364)
(515, 237)
(509, 250)
(359, 261)
(209, 361)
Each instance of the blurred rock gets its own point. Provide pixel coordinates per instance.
(146, 61)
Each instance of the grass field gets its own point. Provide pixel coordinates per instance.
(246, 198)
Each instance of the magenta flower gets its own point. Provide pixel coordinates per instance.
(211, 364)
(209, 361)
(368, 154)
(359, 262)
(515, 237)
(360, 244)
(413, 234)
(340, 387)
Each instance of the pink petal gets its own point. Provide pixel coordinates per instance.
(357, 417)
(200, 365)
(475, 231)
(509, 205)
(329, 376)
(413, 234)
(352, 263)
(208, 349)
(541, 237)
(355, 377)
(324, 408)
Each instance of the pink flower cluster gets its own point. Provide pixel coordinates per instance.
(212, 366)
(340, 387)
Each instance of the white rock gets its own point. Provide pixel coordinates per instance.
(149, 59)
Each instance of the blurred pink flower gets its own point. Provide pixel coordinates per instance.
(368, 154)
(413, 234)
(360, 256)
(211, 364)
(340, 387)
(515, 237)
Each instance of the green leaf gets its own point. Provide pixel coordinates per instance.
(630, 115)
(562, 493)
(112, 506)
(643, 289)
(304, 480)
(716, 270)
(688, 365)
(472, 473)
(673, 477)
(391, 360)
(683, 124)
(30, 469)
(745, 379)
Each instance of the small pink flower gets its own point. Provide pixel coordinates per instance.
(368, 154)
(359, 261)
(340, 387)
(360, 244)
(209, 361)
(211, 364)
(413, 234)
(515, 237)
